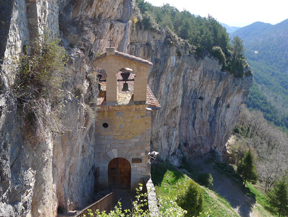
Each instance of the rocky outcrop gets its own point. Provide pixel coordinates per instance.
(200, 103)
(38, 175)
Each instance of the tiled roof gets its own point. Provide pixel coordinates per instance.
(133, 58)
(127, 56)
(151, 99)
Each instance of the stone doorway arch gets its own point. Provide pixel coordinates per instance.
(119, 173)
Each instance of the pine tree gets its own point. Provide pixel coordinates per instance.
(238, 48)
(278, 198)
(247, 169)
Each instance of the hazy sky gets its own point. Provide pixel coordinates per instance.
(234, 13)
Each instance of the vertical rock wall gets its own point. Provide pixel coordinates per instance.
(34, 176)
(200, 103)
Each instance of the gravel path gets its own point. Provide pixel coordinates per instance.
(228, 188)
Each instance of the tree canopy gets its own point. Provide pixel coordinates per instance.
(266, 52)
(203, 34)
(247, 169)
(278, 198)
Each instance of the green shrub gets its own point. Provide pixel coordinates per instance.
(149, 22)
(92, 78)
(205, 179)
(219, 54)
(79, 90)
(179, 54)
(190, 198)
(38, 84)
(237, 130)
(90, 115)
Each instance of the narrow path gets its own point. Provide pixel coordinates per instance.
(126, 198)
(226, 187)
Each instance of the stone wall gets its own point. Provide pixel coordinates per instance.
(127, 136)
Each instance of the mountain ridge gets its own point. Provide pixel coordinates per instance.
(266, 48)
(230, 29)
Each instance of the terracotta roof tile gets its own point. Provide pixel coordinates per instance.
(127, 56)
(151, 99)
(134, 58)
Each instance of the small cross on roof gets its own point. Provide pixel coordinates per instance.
(110, 41)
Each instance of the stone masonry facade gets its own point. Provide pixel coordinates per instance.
(127, 136)
(123, 130)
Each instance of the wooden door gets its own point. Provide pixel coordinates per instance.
(119, 173)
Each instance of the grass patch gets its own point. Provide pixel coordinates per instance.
(169, 182)
(216, 205)
(250, 190)
(261, 199)
(253, 192)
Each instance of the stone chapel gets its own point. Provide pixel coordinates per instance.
(123, 125)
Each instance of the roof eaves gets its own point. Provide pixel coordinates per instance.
(98, 57)
(133, 58)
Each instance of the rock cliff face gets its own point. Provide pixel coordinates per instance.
(200, 103)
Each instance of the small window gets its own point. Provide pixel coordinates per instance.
(105, 125)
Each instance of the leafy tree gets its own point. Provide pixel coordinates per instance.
(219, 54)
(206, 179)
(237, 48)
(238, 62)
(268, 143)
(202, 33)
(191, 198)
(278, 198)
(266, 51)
(247, 169)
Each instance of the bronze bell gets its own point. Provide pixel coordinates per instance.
(125, 75)
(125, 87)
(99, 76)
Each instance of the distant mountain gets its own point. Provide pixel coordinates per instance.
(267, 53)
(229, 29)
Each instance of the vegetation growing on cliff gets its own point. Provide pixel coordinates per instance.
(205, 35)
(38, 83)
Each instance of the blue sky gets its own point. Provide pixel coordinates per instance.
(233, 13)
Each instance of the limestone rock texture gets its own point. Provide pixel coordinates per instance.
(200, 103)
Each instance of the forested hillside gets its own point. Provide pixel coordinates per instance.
(266, 48)
(205, 36)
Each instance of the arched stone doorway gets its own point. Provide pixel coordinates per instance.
(119, 173)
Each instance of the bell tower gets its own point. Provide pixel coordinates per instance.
(123, 128)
